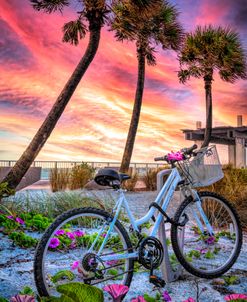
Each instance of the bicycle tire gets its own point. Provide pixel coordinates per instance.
(38, 259)
(175, 240)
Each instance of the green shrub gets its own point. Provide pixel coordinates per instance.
(23, 240)
(8, 225)
(5, 190)
(37, 222)
(234, 188)
(80, 176)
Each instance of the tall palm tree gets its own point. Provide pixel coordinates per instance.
(210, 49)
(160, 27)
(91, 18)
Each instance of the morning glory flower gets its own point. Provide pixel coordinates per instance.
(54, 243)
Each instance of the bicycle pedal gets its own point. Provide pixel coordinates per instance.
(157, 281)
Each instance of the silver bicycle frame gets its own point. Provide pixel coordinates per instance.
(163, 199)
(164, 195)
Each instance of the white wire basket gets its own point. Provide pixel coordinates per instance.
(204, 169)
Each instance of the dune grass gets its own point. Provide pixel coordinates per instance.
(150, 178)
(130, 184)
(50, 204)
(234, 188)
(75, 178)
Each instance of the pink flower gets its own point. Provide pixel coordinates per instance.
(175, 156)
(203, 251)
(234, 297)
(75, 265)
(138, 299)
(189, 300)
(59, 232)
(112, 262)
(22, 298)
(103, 235)
(210, 240)
(117, 291)
(79, 233)
(70, 235)
(10, 217)
(166, 296)
(54, 243)
(19, 220)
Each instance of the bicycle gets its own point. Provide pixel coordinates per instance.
(206, 233)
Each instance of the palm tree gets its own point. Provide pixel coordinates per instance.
(91, 18)
(160, 27)
(207, 50)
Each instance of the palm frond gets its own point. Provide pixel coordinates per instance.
(151, 59)
(49, 6)
(185, 74)
(144, 4)
(74, 31)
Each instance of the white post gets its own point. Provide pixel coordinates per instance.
(166, 268)
(232, 155)
(240, 152)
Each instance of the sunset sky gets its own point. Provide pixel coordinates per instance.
(35, 65)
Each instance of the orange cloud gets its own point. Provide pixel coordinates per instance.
(35, 65)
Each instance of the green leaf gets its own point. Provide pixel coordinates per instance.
(79, 292)
(112, 272)
(148, 298)
(64, 274)
(3, 299)
(231, 280)
(27, 291)
(209, 255)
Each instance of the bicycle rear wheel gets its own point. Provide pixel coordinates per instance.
(63, 254)
(204, 255)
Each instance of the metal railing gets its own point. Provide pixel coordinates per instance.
(46, 166)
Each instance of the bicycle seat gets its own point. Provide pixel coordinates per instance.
(124, 176)
(110, 177)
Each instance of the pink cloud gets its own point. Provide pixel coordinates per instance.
(95, 123)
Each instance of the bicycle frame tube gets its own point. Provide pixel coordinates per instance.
(167, 194)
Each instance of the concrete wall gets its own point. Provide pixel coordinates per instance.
(32, 176)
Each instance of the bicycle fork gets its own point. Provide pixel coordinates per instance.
(202, 216)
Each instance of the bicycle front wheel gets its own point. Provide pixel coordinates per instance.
(201, 252)
(70, 251)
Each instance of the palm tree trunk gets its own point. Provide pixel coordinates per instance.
(209, 110)
(20, 168)
(136, 112)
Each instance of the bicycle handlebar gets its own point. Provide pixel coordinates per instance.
(189, 150)
(160, 158)
(185, 151)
